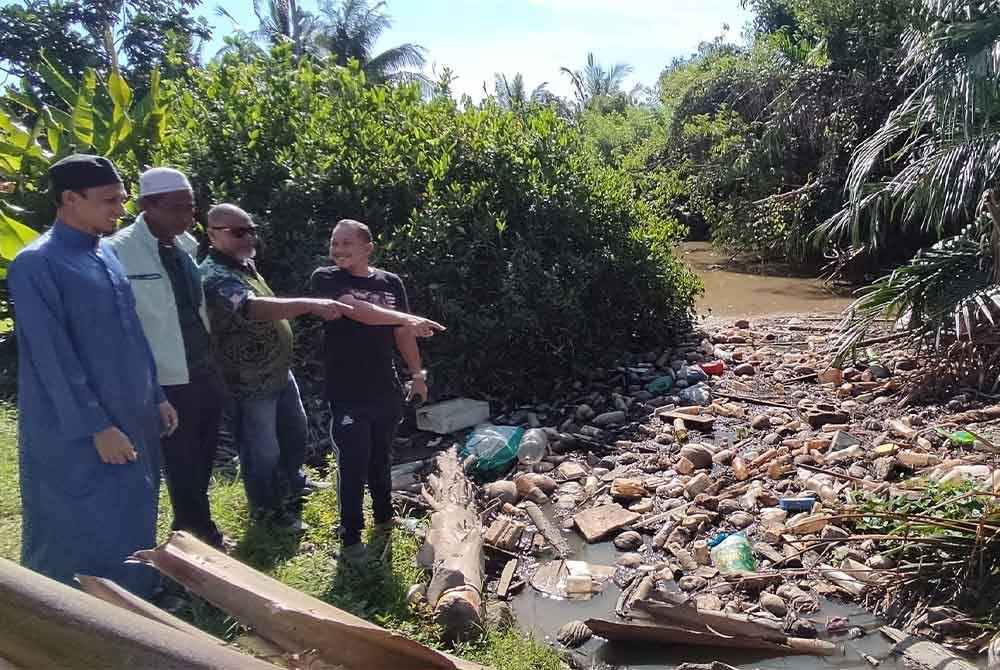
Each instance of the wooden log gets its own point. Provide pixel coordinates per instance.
(648, 631)
(506, 577)
(545, 527)
(924, 653)
(291, 620)
(46, 624)
(706, 621)
(453, 552)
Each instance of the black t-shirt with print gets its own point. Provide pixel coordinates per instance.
(359, 359)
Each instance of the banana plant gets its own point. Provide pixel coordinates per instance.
(98, 115)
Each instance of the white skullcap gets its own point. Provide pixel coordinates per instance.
(162, 180)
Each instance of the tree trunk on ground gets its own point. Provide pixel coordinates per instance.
(453, 551)
(45, 624)
(288, 619)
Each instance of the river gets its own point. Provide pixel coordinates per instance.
(747, 290)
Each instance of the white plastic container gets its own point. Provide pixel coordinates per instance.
(452, 415)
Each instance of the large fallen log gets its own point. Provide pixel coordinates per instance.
(290, 620)
(453, 551)
(924, 653)
(45, 624)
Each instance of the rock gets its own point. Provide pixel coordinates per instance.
(629, 559)
(708, 602)
(571, 470)
(628, 541)
(628, 489)
(761, 422)
(609, 418)
(906, 365)
(744, 370)
(641, 506)
(728, 506)
(684, 466)
(801, 628)
(808, 524)
(597, 522)
(692, 583)
(773, 604)
(499, 615)
(742, 324)
(842, 440)
(740, 519)
(573, 634)
(699, 455)
(544, 467)
(694, 522)
(879, 372)
(831, 376)
(505, 490)
(831, 532)
(531, 480)
(584, 413)
(723, 457)
(697, 484)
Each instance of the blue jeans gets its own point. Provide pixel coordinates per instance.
(271, 434)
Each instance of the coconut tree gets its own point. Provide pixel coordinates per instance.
(279, 22)
(512, 93)
(349, 30)
(594, 80)
(929, 170)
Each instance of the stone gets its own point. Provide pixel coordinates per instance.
(692, 583)
(697, 484)
(801, 628)
(708, 602)
(740, 519)
(842, 440)
(571, 470)
(906, 365)
(609, 418)
(745, 370)
(773, 604)
(761, 422)
(499, 614)
(832, 532)
(628, 489)
(723, 457)
(628, 541)
(879, 372)
(684, 466)
(742, 324)
(584, 413)
(573, 634)
(694, 522)
(699, 455)
(831, 376)
(641, 506)
(544, 467)
(728, 506)
(630, 560)
(597, 522)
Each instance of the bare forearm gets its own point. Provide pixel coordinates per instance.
(276, 309)
(406, 343)
(373, 315)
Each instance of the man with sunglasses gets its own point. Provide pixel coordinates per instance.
(156, 253)
(91, 409)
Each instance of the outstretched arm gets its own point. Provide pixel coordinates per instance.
(261, 308)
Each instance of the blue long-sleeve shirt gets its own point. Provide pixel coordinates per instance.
(83, 365)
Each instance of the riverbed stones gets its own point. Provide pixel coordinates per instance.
(598, 522)
(697, 484)
(629, 559)
(584, 413)
(740, 519)
(699, 455)
(628, 489)
(628, 541)
(691, 583)
(745, 370)
(761, 422)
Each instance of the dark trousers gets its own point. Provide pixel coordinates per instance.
(362, 436)
(189, 453)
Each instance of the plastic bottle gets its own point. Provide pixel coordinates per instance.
(533, 446)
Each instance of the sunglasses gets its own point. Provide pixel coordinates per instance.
(238, 233)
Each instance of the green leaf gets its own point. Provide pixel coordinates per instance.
(83, 110)
(57, 80)
(14, 235)
(22, 99)
(120, 93)
(53, 129)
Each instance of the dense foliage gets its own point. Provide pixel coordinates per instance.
(535, 256)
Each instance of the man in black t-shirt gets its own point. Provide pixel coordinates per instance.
(362, 386)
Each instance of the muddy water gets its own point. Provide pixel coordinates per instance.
(748, 290)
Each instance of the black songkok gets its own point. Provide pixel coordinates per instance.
(82, 171)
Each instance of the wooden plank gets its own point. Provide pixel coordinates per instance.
(650, 632)
(693, 619)
(546, 528)
(924, 652)
(506, 577)
(699, 421)
(597, 522)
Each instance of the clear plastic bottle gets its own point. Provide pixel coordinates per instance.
(533, 446)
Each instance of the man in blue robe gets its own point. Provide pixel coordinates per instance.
(90, 407)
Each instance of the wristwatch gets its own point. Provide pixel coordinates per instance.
(420, 375)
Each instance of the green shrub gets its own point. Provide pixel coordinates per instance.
(501, 224)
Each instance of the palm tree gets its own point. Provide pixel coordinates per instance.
(351, 29)
(595, 81)
(930, 169)
(279, 22)
(513, 94)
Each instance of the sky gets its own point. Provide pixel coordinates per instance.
(477, 38)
